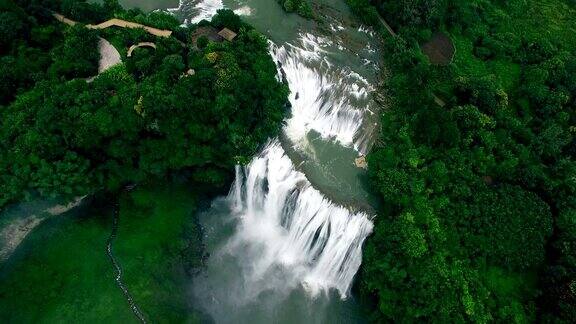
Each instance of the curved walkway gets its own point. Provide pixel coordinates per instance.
(133, 47)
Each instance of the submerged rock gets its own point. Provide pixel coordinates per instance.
(361, 162)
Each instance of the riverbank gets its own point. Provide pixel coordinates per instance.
(14, 230)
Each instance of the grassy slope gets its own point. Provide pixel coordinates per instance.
(62, 273)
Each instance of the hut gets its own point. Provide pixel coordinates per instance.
(208, 31)
(227, 34)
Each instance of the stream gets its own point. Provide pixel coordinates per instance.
(285, 244)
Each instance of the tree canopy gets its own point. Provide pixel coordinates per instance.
(477, 223)
(61, 136)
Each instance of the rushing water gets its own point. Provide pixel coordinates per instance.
(287, 224)
(286, 243)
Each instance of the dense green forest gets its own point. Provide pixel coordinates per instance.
(478, 222)
(150, 117)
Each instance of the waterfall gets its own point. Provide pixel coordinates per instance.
(288, 229)
(283, 236)
(236, 191)
(288, 234)
(323, 102)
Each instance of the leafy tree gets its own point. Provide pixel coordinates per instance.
(301, 7)
(147, 118)
(77, 57)
(11, 28)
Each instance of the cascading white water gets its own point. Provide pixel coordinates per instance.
(323, 102)
(289, 234)
(287, 226)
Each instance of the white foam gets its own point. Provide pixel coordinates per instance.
(288, 229)
(321, 101)
(196, 10)
(243, 11)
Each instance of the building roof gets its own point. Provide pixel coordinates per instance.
(227, 34)
(210, 32)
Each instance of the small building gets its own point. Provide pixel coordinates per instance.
(209, 32)
(227, 34)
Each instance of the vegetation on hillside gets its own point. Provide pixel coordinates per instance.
(479, 216)
(147, 118)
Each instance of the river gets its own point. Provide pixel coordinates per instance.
(286, 243)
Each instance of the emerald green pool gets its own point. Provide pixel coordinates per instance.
(61, 273)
